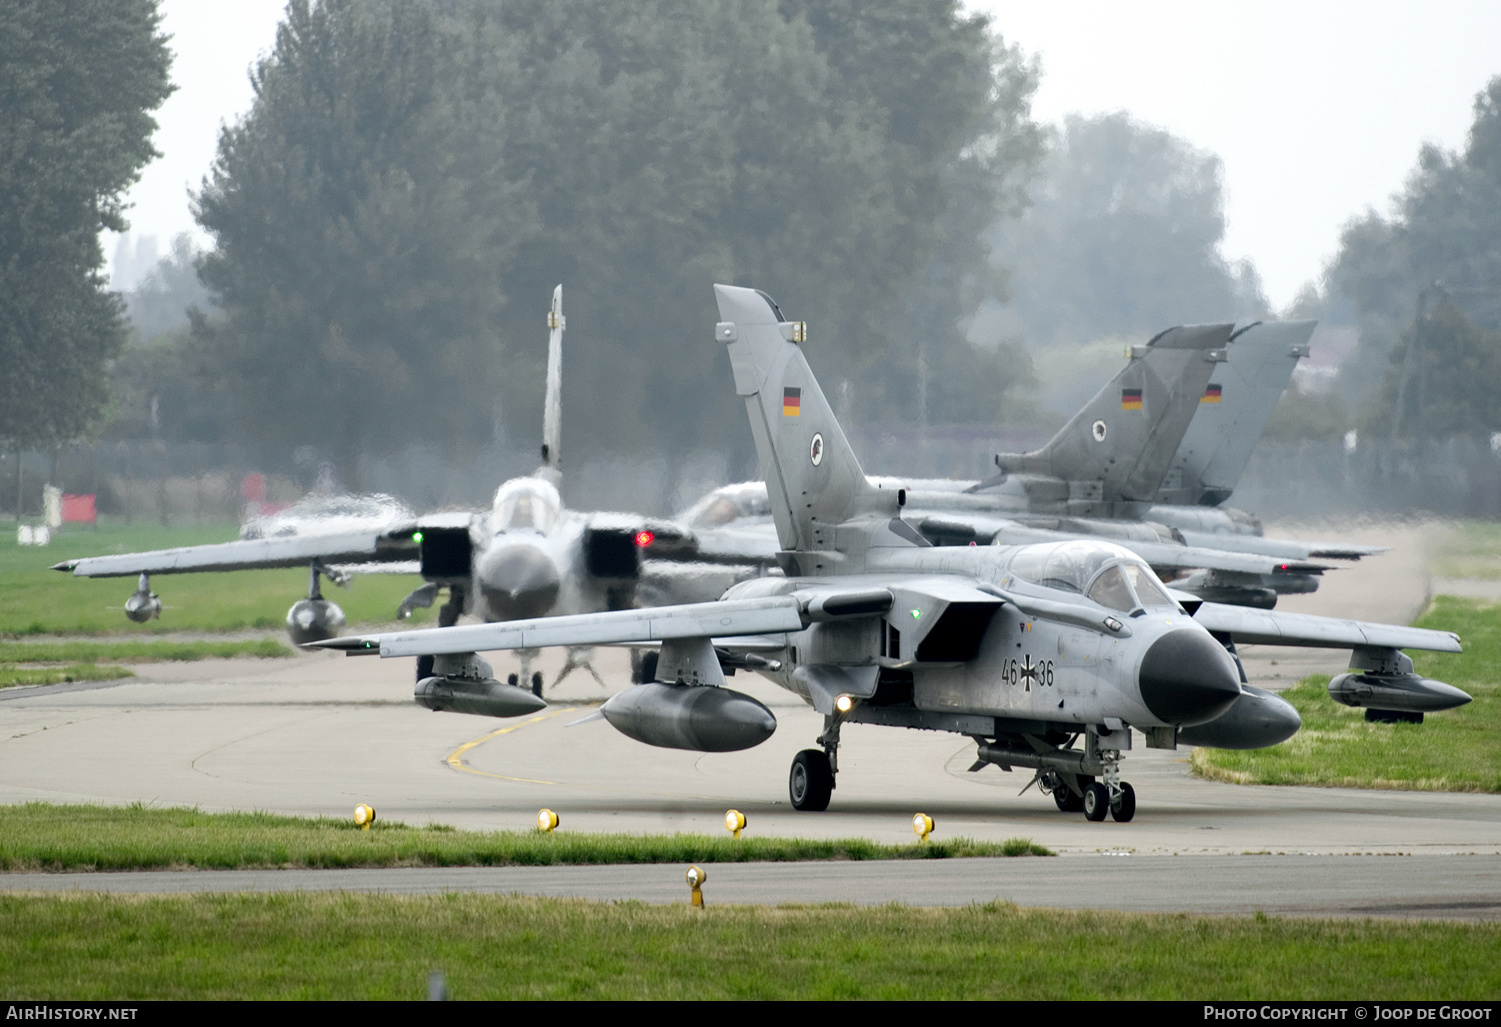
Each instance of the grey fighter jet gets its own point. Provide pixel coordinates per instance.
(1157, 417)
(1047, 655)
(527, 556)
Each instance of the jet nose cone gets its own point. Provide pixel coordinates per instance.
(1186, 677)
(519, 581)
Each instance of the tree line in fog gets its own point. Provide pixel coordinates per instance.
(389, 218)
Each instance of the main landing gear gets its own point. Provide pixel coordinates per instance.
(1097, 799)
(514, 680)
(1084, 781)
(810, 784)
(1092, 798)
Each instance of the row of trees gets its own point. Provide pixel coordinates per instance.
(78, 82)
(1424, 286)
(413, 178)
(415, 175)
(1122, 236)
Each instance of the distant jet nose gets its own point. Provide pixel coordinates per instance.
(1186, 677)
(519, 581)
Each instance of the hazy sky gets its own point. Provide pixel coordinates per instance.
(1316, 108)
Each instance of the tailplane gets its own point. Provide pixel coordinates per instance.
(813, 478)
(552, 404)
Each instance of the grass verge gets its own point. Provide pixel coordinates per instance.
(358, 946)
(138, 652)
(35, 600)
(79, 661)
(1452, 751)
(42, 836)
(1470, 549)
(12, 676)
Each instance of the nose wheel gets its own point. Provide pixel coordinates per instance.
(811, 782)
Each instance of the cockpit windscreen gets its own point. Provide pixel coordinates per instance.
(1112, 576)
(526, 503)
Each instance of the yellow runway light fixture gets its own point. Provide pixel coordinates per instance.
(547, 820)
(696, 879)
(734, 822)
(922, 826)
(364, 816)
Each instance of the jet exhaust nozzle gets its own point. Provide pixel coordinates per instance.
(702, 718)
(1186, 677)
(314, 620)
(519, 581)
(485, 697)
(1254, 721)
(1407, 693)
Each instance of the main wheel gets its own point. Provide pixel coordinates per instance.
(1067, 801)
(1096, 802)
(537, 684)
(811, 782)
(1124, 808)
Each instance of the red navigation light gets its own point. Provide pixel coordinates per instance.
(644, 538)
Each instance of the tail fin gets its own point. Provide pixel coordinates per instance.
(1125, 438)
(813, 478)
(552, 408)
(1234, 412)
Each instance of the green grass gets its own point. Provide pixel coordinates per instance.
(1455, 750)
(80, 660)
(359, 946)
(35, 600)
(139, 652)
(11, 676)
(40, 836)
(1471, 549)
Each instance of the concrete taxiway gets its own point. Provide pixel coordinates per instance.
(319, 733)
(1451, 888)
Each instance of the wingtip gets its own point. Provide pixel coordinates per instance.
(351, 645)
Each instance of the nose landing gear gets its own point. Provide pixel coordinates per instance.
(810, 784)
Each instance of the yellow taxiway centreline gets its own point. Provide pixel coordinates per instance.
(455, 759)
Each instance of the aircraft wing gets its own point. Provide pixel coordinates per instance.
(670, 541)
(1293, 549)
(1159, 554)
(1271, 627)
(252, 554)
(739, 617)
(737, 545)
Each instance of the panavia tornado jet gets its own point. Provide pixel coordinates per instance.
(1046, 655)
(1187, 407)
(527, 556)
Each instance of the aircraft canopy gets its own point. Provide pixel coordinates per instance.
(1110, 575)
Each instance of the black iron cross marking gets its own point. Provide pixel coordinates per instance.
(1029, 671)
